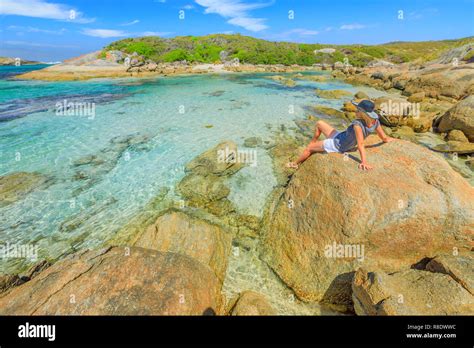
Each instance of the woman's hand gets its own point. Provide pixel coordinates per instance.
(365, 166)
(388, 140)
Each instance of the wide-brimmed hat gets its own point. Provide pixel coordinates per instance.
(367, 107)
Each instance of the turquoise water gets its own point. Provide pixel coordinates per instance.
(143, 133)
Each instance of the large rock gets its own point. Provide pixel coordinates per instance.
(460, 117)
(410, 292)
(252, 303)
(180, 233)
(411, 205)
(118, 281)
(15, 186)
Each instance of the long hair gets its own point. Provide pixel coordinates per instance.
(362, 116)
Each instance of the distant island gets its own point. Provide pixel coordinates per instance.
(13, 61)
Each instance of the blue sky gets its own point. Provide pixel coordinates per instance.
(51, 30)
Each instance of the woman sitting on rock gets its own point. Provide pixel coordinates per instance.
(353, 137)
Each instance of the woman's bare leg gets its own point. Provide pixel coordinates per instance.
(314, 146)
(325, 128)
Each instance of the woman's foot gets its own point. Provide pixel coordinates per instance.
(292, 165)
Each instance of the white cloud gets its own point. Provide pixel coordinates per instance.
(304, 32)
(42, 9)
(188, 7)
(352, 26)
(251, 24)
(428, 12)
(36, 30)
(156, 33)
(104, 33)
(36, 44)
(296, 35)
(238, 12)
(136, 21)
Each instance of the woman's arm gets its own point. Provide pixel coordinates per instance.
(382, 134)
(360, 146)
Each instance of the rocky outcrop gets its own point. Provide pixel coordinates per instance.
(118, 281)
(252, 303)
(457, 54)
(409, 292)
(332, 218)
(16, 186)
(439, 81)
(177, 232)
(460, 117)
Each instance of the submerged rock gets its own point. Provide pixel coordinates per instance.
(361, 95)
(252, 303)
(283, 80)
(314, 78)
(332, 218)
(93, 167)
(221, 160)
(320, 109)
(16, 186)
(332, 94)
(180, 233)
(118, 281)
(253, 142)
(410, 292)
(206, 191)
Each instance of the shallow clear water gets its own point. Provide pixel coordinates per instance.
(169, 123)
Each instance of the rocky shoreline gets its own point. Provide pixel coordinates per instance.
(90, 66)
(395, 242)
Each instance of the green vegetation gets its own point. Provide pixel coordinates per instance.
(207, 49)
